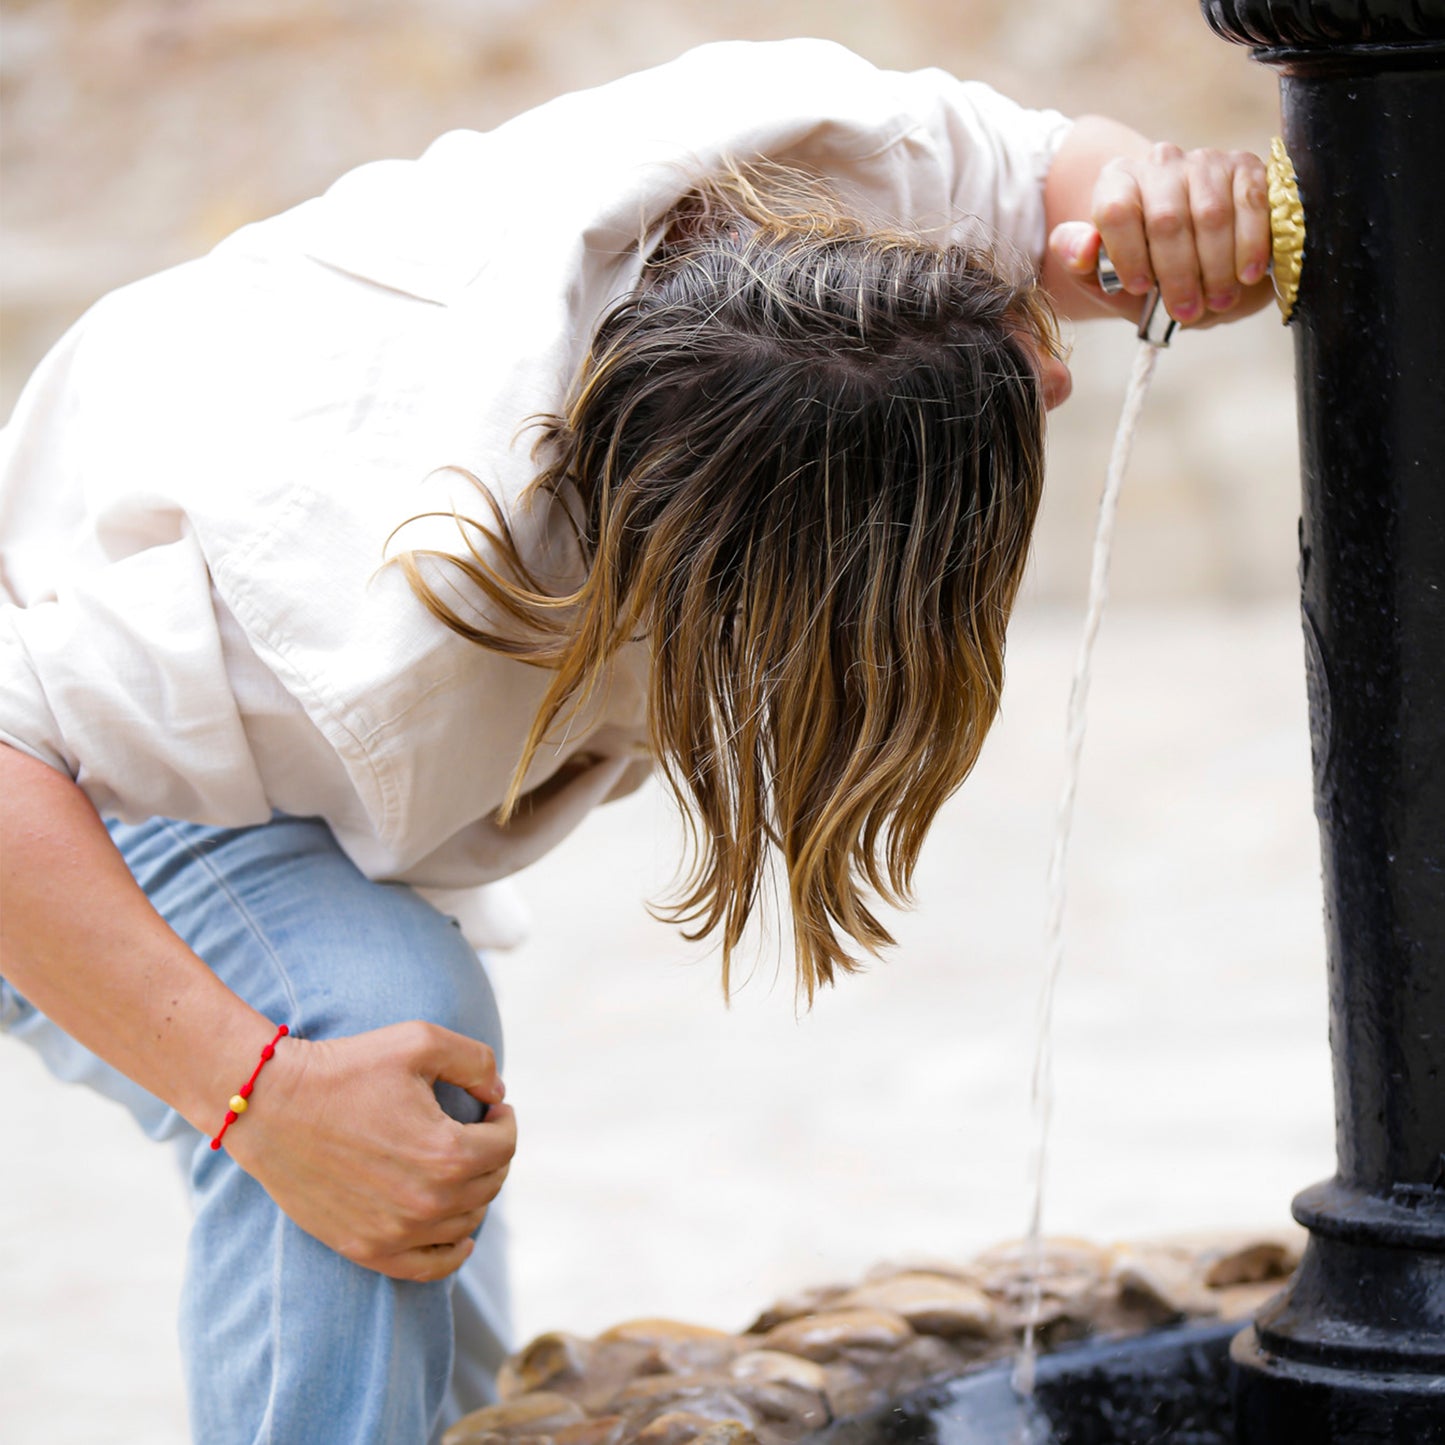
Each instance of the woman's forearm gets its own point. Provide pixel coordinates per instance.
(82, 943)
(1092, 142)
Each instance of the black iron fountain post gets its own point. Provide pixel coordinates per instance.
(1355, 1350)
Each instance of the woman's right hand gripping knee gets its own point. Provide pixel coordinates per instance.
(347, 1137)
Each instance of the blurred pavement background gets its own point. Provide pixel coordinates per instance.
(678, 1158)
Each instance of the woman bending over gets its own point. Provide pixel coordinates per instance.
(693, 422)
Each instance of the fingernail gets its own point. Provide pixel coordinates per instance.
(1223, 301)
(1186, 310)
(1071, 242)
(1252, 273)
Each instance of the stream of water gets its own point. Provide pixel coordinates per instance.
(1043, 1074)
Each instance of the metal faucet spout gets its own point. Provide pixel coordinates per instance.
(1156, 325)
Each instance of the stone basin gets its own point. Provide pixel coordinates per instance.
(1134, 1336)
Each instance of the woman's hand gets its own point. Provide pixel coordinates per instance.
(348, 1139)
(1196, 223)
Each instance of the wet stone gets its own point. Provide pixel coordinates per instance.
(727, 1432)
(681, 1427)
(603, 1430)
(1161, 1283)
(850, 1391)
(493, 1438)
(775, 1367)
(527, 1415)
(1242, 1301)
(1075, 1287)
(677, 1348)
(1072, 1268)
(826, 1336)
(713, 1397)
(650, 1331)
(794, 1306)
(608, 1368)
(789, 1410)
(925, 1358)
(963, 1272)
(549, 1360)
(931, 1304)
(1254, 1262)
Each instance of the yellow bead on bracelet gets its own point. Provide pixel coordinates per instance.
(240, 1102)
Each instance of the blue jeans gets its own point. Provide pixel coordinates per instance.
(282, 1339)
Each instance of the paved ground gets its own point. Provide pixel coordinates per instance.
(685, 1160)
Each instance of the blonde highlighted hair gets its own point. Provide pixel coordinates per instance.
(803, 460)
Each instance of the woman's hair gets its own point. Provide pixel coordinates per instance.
(803, 459)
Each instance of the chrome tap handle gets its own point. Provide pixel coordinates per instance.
(1156, 325)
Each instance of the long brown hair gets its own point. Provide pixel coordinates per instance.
(803, 460)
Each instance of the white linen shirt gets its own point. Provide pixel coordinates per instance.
(198, 484)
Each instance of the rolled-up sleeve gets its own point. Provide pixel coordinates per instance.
(996, 154)
(920, 148)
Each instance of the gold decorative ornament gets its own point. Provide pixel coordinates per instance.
(1287, 226)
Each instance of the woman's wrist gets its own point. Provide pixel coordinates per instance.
(108, 969)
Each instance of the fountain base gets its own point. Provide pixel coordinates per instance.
(1170, 1385)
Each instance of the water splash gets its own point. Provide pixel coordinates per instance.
(1043, 1075)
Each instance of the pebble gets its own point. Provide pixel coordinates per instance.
(1161, 1284)
(781, 1406)
(1072, 1268)
(588, 1371)
(964, 1272)
(603, 1430)
(550, 1359)
(526, 1415)
(849, 1391)
(727, 1432)
(662, 1332)
(931, 1304)
(778, 1367)
(677, 1347)
(826, 1336)
(1269, 1259)
(680, 1427)
(794, 1306)
(1242, 1301)
(712, 1396)
(674, 1347)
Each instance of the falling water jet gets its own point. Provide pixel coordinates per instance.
(1142, 372)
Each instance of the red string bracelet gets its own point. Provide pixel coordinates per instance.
(238, 1101)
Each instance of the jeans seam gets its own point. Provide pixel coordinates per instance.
(255, 929)
(268, 1419)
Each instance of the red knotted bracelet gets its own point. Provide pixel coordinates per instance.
(238, 1101)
